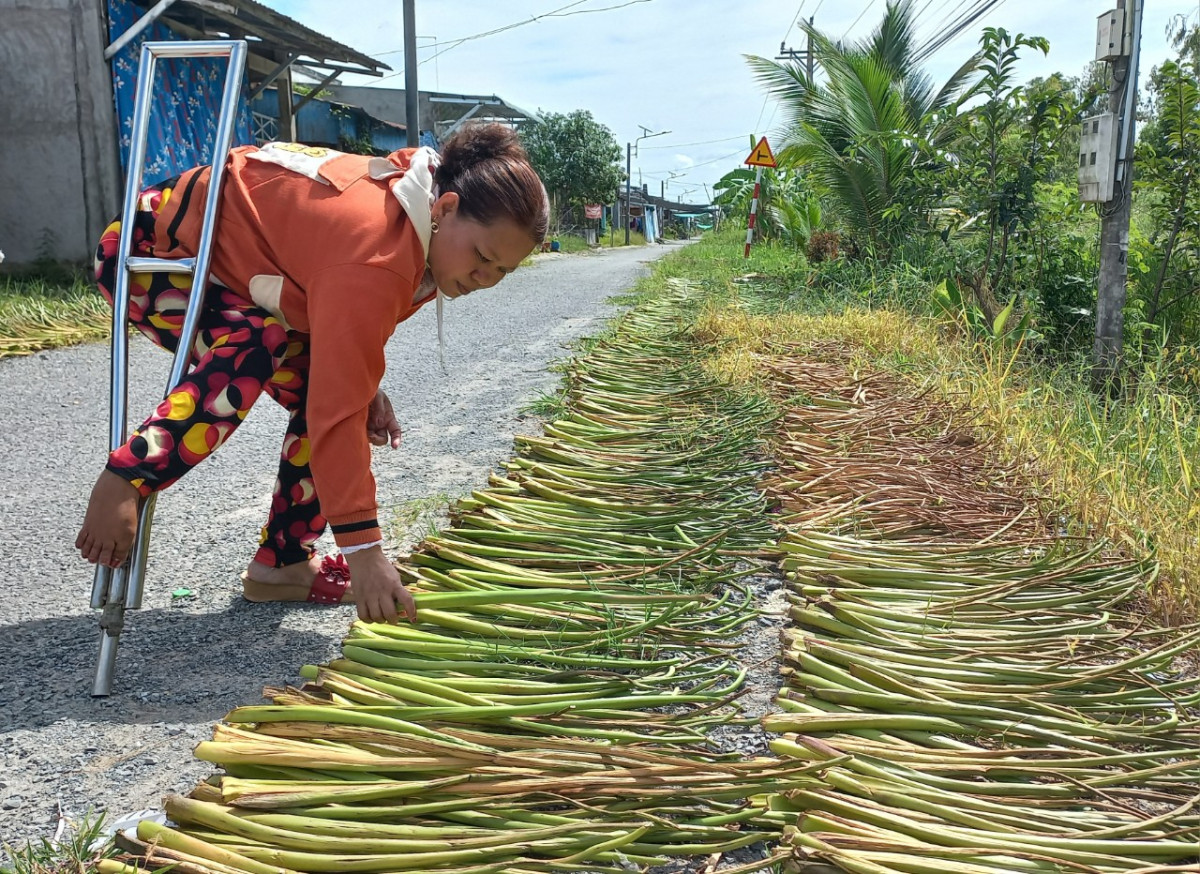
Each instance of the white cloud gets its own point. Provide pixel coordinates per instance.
(673, 65)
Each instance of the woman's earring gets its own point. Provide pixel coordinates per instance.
(433, 226)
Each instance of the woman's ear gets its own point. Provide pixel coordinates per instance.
(445, 205)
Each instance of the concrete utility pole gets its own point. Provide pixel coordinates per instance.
(628, 178)
(412, 97)
(1114, 216)
(786, 54)
(629, 149)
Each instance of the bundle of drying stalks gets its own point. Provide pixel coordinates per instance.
(549, 710)
(1003, 708)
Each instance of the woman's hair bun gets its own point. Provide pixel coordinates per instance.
(475, 143)
(489, 169)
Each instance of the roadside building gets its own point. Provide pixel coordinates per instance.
(656, 216)
(70, 69)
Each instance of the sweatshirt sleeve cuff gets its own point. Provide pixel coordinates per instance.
(352, 532)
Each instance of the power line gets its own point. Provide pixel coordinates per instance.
(794, 20)
(682, 173)
(929, 3)
(715, 160)
(560, 12)
(945, 21)
(433, 40)
(557, 13)
(870, 3)
(953, 30)
(767, 96)
(701, 143)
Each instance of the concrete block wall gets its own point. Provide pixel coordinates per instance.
(60, 177)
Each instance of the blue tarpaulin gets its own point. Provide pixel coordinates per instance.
(187, 100)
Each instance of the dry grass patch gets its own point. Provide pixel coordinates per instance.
(1122, 471)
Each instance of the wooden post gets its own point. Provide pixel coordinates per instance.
(287, 118)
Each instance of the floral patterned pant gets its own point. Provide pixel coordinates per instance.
(241, 351)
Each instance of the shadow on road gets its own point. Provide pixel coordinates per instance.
(173, 664)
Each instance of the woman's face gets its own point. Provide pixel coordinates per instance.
(465, 255)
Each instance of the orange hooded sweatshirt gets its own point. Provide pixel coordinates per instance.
(334, 246)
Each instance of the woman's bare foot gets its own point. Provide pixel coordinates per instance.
(110, 523)
(301, 573)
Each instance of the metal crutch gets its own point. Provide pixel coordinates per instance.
(116, 590)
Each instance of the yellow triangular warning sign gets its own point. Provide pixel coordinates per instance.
(761, 156)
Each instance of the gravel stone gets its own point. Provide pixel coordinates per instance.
(185, 662)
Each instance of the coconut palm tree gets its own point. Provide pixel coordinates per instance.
(857, 132)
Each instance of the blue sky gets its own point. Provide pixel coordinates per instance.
(673, 65)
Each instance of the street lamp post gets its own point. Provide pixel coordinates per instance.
(629, 149)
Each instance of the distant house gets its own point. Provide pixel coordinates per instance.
(69, 69)
(323, 122)
(655, 214)
(441, 112)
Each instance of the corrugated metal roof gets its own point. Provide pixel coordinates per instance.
(268, 33)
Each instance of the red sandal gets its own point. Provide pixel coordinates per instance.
(331, 585)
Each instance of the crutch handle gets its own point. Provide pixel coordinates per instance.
(161, 265)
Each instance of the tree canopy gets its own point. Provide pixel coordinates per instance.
(577, 157)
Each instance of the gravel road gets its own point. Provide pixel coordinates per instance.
(184, 662)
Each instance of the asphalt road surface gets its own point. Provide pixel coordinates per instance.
(186, 661)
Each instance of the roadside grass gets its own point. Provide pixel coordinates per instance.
(45, 313)
(571, 244)
(1124, 471)
(614, 239)
(79, 849)
(418, 518)
(547, 405)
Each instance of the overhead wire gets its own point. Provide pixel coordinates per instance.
(775, 109)
(556, 13)
(795, 18)
(767, 96)
(560, 12)
(950, 22)
(870, 3)
(700, 143)
(928, 3)
(977, 10)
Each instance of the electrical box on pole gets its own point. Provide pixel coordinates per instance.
(1113, 37)
(1124, 51)
(1098, 147)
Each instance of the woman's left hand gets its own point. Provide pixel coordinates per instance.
(382, 427)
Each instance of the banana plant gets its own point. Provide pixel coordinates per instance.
(787, 208)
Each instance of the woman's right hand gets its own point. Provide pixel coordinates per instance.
(377, 587)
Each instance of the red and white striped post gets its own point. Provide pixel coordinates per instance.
(753, 211)
(760, 157)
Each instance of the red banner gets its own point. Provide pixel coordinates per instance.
(593, 211)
